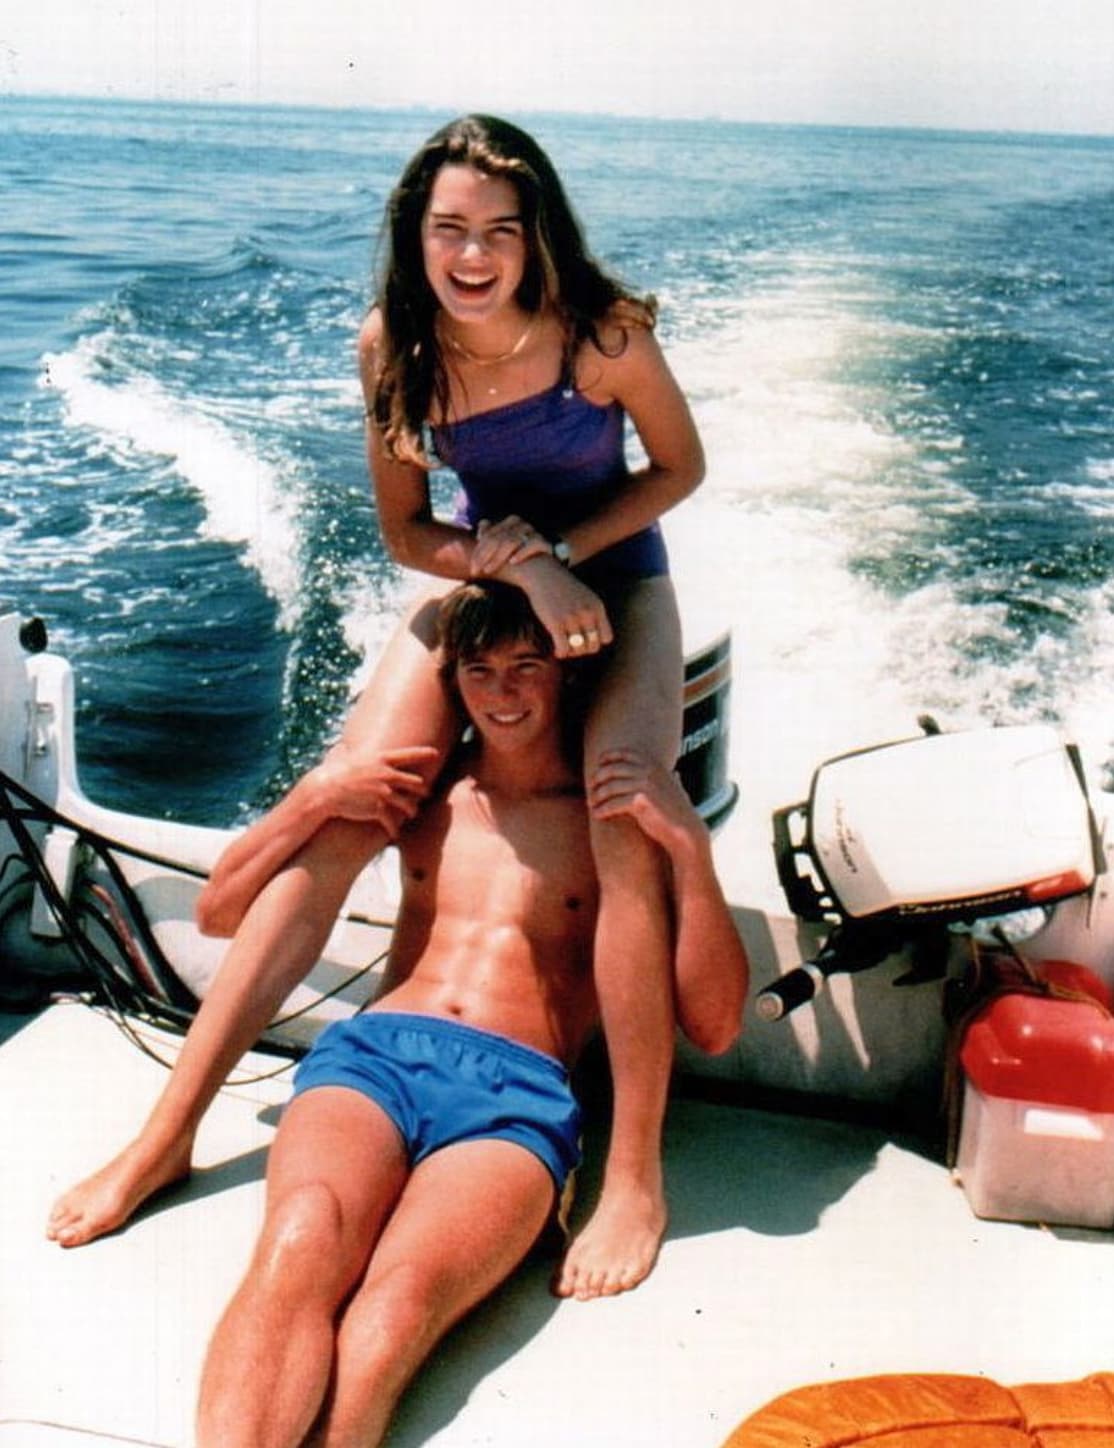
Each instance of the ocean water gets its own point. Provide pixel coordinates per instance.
(897, 346)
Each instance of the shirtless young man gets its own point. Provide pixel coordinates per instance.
(388, 1216)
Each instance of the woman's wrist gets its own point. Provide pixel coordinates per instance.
(529, 571)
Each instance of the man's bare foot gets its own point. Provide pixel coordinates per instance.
(105, 1200)
(617, 1248)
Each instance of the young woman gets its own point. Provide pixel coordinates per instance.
(498, 346)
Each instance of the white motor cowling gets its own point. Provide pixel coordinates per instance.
(942, 826)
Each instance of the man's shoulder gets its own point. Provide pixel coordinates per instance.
(445, 807)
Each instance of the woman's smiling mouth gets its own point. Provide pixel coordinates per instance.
(472, 286)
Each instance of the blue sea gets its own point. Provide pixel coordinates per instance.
(897, 346)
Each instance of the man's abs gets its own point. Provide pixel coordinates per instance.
(556, 1021)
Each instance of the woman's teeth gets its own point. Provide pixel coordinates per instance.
(472, 284)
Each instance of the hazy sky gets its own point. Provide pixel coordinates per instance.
(1001, 64)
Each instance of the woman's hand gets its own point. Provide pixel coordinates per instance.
(572, 615)
(511, 540)
(386, 786)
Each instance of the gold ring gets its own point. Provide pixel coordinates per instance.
(576, 641)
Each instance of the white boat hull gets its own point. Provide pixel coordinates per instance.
(861, 1041)
(801, 1247)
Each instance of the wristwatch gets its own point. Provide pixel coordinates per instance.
(562, 552)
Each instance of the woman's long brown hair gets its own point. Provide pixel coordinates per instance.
(560, 273)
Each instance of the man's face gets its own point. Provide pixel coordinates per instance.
(512, 694)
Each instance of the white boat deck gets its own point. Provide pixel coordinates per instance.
(799, 1250)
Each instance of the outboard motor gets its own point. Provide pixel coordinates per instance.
(702, 766)
(901, 839)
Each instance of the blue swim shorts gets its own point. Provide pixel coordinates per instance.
(441, 1082)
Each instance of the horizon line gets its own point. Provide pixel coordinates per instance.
(14, 93)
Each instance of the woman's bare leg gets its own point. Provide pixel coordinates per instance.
(336, 1170)
(639, 706)
(281, 937)
(278, 887)
(404, 706)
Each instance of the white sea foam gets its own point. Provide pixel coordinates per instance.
(794, 465)
(801, 479)
(246, 499)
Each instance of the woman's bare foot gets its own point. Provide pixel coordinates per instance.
(105, 1200)
(617, 1248)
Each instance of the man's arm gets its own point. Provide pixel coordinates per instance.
(380, 789)
(710, 963)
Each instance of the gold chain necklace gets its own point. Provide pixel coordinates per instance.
(470, 356)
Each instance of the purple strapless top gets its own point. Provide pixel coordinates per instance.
(553, 459)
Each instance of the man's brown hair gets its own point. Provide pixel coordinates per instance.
(479, 616)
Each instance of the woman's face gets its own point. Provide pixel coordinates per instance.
(473, 243)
